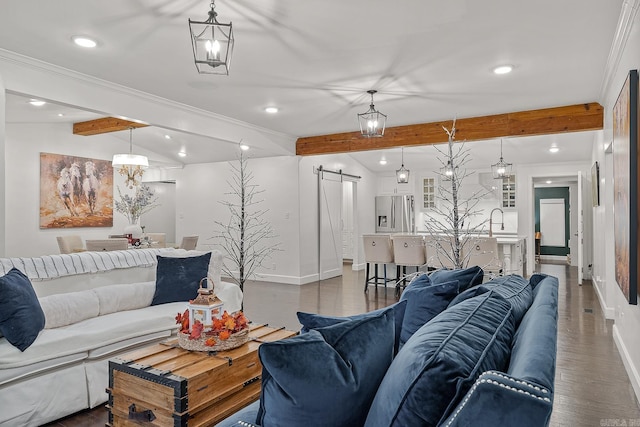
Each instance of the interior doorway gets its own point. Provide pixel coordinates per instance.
(348, 222)
(553, 221)
(567, 232)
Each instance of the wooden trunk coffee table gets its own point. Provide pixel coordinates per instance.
(165, 385)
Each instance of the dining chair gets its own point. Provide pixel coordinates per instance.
(158, 240)
(408, 251)
(189, 243)
(70, 244)
(484, 253)
(99, 245)
(378, 249)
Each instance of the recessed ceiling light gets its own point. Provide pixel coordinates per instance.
(167, 137)
(503, 69)
(244, 147)
(549, 182)
(271, 110)
(60, 115)
(83, 41)
(37, 103)
(554, 149)
(383, 162)
(182, 154)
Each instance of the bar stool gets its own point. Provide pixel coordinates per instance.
(431, 253)
(484, 253)
(378, 249)
(408, 251)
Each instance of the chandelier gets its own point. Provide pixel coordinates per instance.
(130, 165)
(449, 170)
(501, 169)
(402, 174)
(212, 44)
(372, 122)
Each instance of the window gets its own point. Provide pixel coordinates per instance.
(509, 192)
(428, 193)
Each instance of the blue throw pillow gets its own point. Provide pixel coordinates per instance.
(21, 317)
(440, 362)
(420, 281)
(423, 304)
(313, 321)
(178, 279)
(326, 377)
(513, 288)
(466, 277)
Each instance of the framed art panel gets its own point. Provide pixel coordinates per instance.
(625, 187)
(75, 192)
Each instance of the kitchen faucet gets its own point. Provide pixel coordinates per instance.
(491, 221)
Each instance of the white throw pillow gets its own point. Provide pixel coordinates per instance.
(132, 296)
(67, 309)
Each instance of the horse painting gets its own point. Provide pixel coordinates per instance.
(76, 181)
(65, 191)
(90, 185)
(75, 191)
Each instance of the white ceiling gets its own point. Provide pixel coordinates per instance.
(430, 61)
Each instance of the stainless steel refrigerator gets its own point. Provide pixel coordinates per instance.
(395, 214)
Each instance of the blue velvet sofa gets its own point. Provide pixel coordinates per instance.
(452, 352)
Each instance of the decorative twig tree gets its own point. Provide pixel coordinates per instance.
(450, 222)
(246, 237)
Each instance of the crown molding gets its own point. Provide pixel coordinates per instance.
(625, 24)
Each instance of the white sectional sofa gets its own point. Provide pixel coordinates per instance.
(96, 306)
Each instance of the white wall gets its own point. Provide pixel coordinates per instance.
(3, 237)
(23, 146)
(162, 219)
(626, 316)
(201, 187)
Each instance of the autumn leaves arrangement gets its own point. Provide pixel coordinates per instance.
(228, 331)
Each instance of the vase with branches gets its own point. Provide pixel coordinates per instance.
(247, 237)
(133, 207)
(450, 224)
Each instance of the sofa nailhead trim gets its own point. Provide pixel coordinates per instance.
(535, 387)
(483, 380)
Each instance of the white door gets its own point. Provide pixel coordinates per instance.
(552, 229)
(330, 227)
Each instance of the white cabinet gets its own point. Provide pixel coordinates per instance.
(388, 185)
(428, 191)
(509, 192)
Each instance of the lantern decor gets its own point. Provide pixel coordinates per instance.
(206, 326)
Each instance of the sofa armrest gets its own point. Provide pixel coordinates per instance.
(499, 399)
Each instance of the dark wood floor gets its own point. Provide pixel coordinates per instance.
(591, 389)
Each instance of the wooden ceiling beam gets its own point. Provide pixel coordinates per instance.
(104, 125)
(571, 118)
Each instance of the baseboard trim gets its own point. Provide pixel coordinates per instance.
(632, 372)
(287, 280)
(358, 267)
(609, 312)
